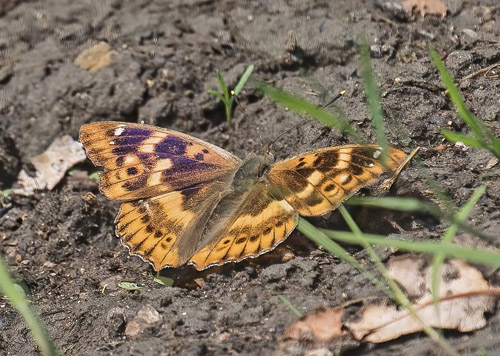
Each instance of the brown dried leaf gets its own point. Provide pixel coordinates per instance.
(323, 326)
(432, 7)
(51, 166)
(96, 57)
(463, 293)
(464, 298)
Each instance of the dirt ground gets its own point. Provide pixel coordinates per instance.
(62, 244)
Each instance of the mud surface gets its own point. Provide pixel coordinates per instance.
(61, 243)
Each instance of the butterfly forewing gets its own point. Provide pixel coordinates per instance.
(142, 161)
(317, 182)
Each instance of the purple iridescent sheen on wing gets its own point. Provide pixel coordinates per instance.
(172, 145)
(128, 139)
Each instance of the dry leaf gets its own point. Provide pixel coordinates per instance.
(464, 297)
(324, 325)
(51, 166)
(463, 293)
(432, 7)
(96, 57)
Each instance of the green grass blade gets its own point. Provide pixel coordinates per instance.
(223, 85)
(301, 106)
(495, 144)
(335, 249)
(456, 97)
(373, 96)
(448, 237)
(18, 301)
(290, 306)
(465, 139)
(219, 95)
(415, 205)
(399, 204)
(244, 79)
(484, 257)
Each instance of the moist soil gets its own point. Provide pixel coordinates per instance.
(61, 243)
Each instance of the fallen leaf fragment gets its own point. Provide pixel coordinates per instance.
(97, 57)
(431, 7)
(145, 317)
(51, 166)
(464, 296)
(324, 325)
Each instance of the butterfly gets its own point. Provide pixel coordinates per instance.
(185, 200)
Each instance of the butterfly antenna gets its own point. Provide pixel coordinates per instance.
(335, 98)
(338, 96)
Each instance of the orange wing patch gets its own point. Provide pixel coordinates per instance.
(257, 225)
(165, 230)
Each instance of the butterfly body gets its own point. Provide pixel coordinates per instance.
(187, 201)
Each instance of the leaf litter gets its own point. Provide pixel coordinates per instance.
(464, 298)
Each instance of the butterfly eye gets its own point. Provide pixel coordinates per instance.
(271, 153)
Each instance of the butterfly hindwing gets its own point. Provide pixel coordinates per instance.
(165, 230)
(317, 182)
(257, 224)
(142, 161)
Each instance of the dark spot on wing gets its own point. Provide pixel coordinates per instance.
(225, 242)
(240, 240)
(306, 172)
(149, 229)
(267, 230)
(172, 145)
(168, 239)
(297, 183)
(189, 192)
(141, 209)
(198, 156)
(313, 200)
(183, 167)
(158, 234)
(131, 171)
(145, 219)
(135, 184)
(301, 164)
(361, 161)
(279, 224)
(254, 238)
(356, 170)
(119, 161)
(205, 150)
(364, 151)
(326, 162)
(329, 187)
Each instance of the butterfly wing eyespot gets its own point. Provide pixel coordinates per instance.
(317, 182)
